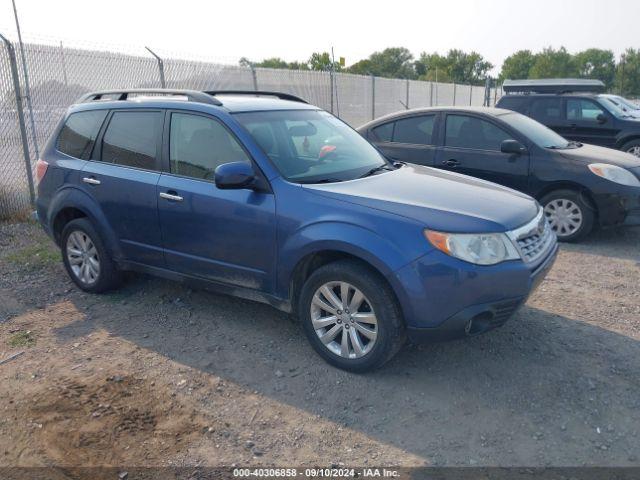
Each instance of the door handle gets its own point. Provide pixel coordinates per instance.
(452, 162)
(91, 180)
(171, 195)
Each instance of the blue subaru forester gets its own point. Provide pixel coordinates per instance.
(262, 196)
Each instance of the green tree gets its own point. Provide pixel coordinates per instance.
(395, 62)
(552, 63)
(322, 61)
(627, 79)
(598, 64)
(517, 66)
(457, 66)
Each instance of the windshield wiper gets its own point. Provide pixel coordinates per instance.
(322, 180)
(375, 170)
(575, 144)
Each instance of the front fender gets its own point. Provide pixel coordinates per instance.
(71, 197)
(343, 237)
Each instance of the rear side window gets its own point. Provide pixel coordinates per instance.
(131, 139)
(470, 132)
(384, 133)
(517, 104)
(197, 145)
(546, 109)
(416, 130)
(78, 135)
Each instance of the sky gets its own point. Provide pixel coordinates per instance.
(230, 29)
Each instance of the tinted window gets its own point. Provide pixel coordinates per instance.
(417, 130)
(131, 139)
(580, 109)
(198, 144)
(384, 132)
(546, 109)
(471, 132)
(79, 133)
(518, 104)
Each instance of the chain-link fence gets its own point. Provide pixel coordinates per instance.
(59, 75)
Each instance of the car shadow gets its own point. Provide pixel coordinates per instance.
(544, 389)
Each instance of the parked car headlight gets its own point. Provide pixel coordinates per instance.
(615, 174)
(478, 248)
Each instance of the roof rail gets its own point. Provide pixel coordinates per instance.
(192, 95)
(553, 85)
(280, 95)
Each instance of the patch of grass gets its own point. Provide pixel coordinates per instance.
(42, 254)
(22, 339)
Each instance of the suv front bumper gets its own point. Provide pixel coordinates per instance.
(459, 300)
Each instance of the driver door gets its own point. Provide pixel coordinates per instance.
(225, 236)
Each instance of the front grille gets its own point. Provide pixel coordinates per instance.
(534, 239)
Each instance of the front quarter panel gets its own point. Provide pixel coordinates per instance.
(309, 223)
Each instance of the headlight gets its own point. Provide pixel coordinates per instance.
(478, 248)
(615, 174)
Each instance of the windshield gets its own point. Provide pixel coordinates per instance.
(536, 132)
(312, 146)
(615, 107)
(622, 104)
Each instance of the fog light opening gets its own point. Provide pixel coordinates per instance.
(479, 323)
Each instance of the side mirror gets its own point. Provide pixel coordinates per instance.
(601, 118)
(234, 175)
(512, 146)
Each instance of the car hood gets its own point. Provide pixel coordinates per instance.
(438, 199)
(592, 154)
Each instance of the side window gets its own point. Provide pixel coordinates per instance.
(581, 109)
(384, 132)
(517, 104)
(197, 145)
(470, 132)
(546, 109)
(131, 139)
(79, 133)
(416, 130)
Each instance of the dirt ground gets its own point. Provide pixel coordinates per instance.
(157, 374)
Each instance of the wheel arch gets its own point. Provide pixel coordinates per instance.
(621, 142)
(568, 185)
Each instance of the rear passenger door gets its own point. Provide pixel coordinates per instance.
(472, 146)
(411, 139)
(225, 236)
(122, 177)
(548, 111)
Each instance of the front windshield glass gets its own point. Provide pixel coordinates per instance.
(312, 146)
(536, 132)
(614, 108)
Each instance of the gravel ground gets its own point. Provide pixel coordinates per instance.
(157, 374)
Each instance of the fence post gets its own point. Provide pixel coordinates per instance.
(23, 128)
(160, 67)
(407, 104)
(331, 80)
(454, 93)
(64, 66)
(254, 75)
(373, 97)
(470, 94)
(431, 94)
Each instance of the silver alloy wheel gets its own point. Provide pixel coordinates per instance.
(635, 150)
(344, 320)
(82, 256)
(564, 216)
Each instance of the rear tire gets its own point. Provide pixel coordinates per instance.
(86, 259)
(360, 332)
(632, 147)
(571, 216)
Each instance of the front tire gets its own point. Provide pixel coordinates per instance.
(86, 259)
(632, 147)
(351, 316)
(570, 215)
